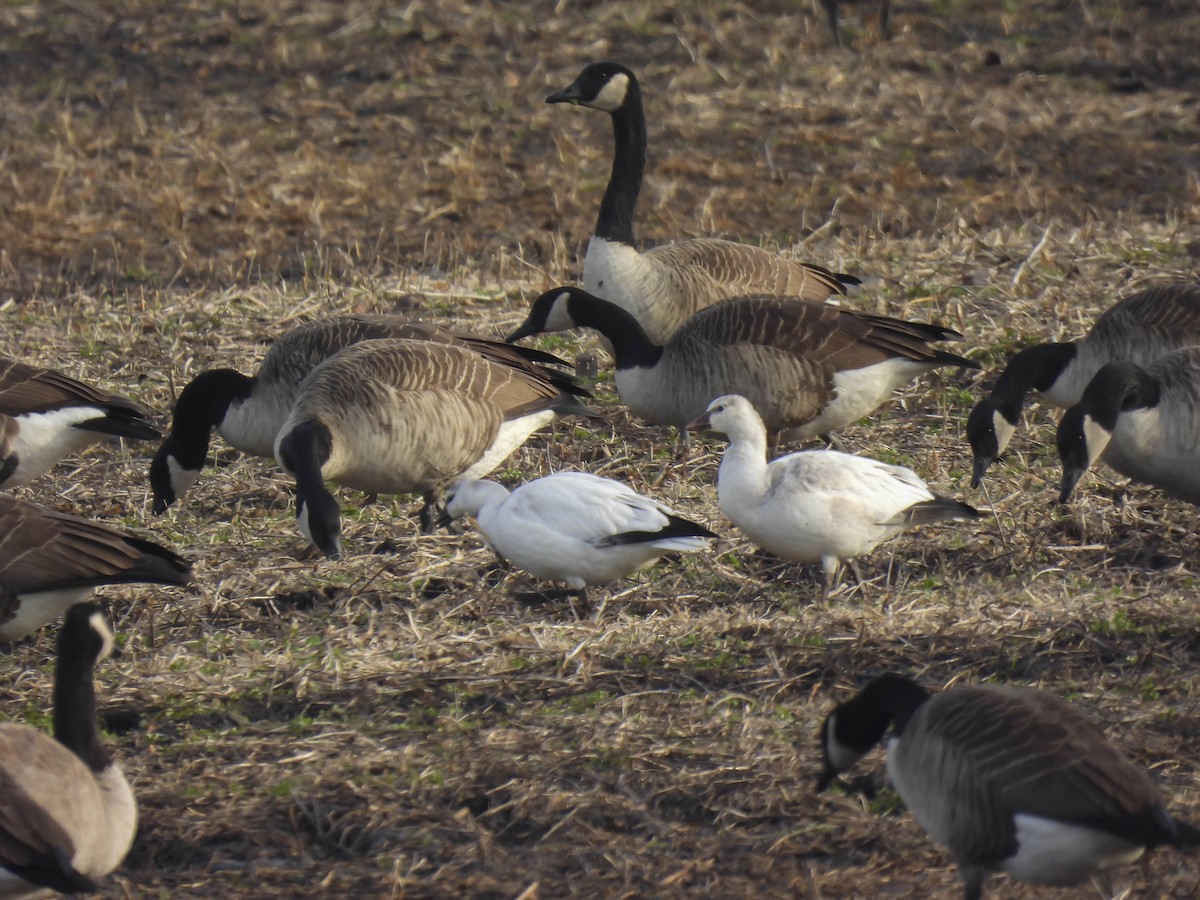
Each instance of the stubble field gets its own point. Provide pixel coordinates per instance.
(181, 182)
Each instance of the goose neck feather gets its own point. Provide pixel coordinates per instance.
(632, 348)
(615, 221)
(1035, 368)
(83, 641)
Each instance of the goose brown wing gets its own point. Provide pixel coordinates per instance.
(33, 841)
(840, 338)
(41, 549)
(25, 388)
(1041, 756)
(710, 268)
(1169, 309)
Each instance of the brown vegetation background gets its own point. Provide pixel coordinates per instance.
(181, 181)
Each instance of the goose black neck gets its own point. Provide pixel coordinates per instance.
(615, 222)
(303, 451)
(75, 709)
(893, 697)
(201, 407)
(1034, 368)
(1119, 387)
(632, 348)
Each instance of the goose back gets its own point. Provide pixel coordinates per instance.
(807, 367)
(248, 412)
(46, 415)
(978, 765)
(399, 416)
(50, 560)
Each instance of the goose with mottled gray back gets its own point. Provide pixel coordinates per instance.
(49, 561)
(817, 505)
(1143, 422)
(67, 814)
(1008, 778)
(46, 416)
(1140, 328)
(662, 287)
(397, 416)
(574, 527)
(247, 411)
(809, 368)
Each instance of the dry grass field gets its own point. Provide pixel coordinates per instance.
(181, 181)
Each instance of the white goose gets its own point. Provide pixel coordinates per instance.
(1008, 778)
(664, 286)
(574, 527)
(67, 816)
(817, 505)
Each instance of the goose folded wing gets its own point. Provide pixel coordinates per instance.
(25, 388)
(33, 843)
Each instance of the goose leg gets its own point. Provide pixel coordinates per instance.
(830, 565)
(430, 513)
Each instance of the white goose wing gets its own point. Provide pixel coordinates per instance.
(876, 486)
(585, 507)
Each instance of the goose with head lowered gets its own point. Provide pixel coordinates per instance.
(49, 561)
(1008, 778)
(399, 416)
(1140, 328)
(46, 416)
(816, 505)
(809, 368)
(663, 287)
(1142, 421)
(248, 410)
(574, 527)
(67, 814)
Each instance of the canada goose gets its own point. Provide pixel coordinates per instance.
(68, 816)
(809, 368)
(1144, 422)
(46, 415)
(49, 561)
(397, 416)
(1008, 778)
(247, 411)
(665, 285)
(817, 505)
(831, 13)
(574, 527)
(1140, 328)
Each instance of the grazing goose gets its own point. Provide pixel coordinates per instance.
(664, 286)
(247, 411)
(1140, 328)
(49, 561)
(1143, 422)
(817, 505)
(397, 416)
(67, 817)
(574, 527)
(1007, 778)
(46, 416)
(809, 368)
